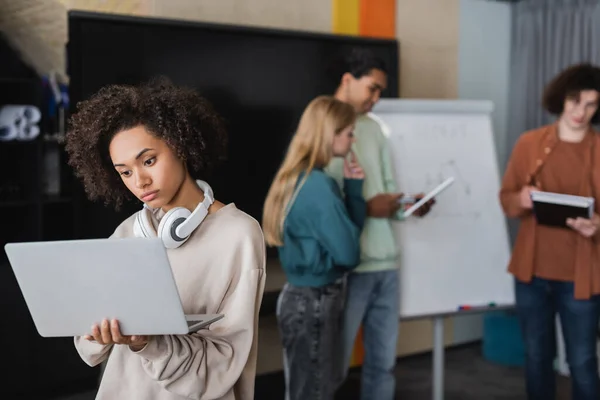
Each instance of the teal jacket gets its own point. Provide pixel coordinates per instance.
(321, 233)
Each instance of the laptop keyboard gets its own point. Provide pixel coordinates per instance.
(190, 323)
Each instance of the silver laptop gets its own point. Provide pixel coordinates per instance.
(70, 285)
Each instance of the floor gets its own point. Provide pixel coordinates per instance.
(467, 377)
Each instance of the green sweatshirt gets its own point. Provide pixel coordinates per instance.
(377, 243)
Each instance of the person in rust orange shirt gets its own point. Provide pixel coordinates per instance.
(557, 270)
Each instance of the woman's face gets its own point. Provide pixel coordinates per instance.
(147, 166)
(579, 110)
(342, 142)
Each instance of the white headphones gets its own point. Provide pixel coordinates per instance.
(177, 224)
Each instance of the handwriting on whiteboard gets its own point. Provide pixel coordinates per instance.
(437, 131)
(447, 169)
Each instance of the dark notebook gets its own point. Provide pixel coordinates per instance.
(553, 209)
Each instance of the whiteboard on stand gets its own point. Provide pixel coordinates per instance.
(458, 253)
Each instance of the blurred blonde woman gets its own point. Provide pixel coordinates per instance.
(316, 230)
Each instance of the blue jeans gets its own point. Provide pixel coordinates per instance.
(309, 320)
(372, 299)
(537, 304)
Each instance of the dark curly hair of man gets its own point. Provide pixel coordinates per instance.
(568, 85)
(180, 116)
(359, 61)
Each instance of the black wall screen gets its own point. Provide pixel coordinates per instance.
(259, 80)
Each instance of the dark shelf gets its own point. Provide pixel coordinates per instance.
(56, 199)
(29, 214)
(17, 203)
(44, 200)
(18, 81)
(21, 143)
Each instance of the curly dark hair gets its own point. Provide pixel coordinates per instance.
(180, 116)
(568, 85)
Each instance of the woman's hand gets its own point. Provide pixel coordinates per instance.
(525, 197)
(109, 333)
(585, 227)
(352, 169)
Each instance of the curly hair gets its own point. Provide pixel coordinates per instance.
(568, 84)
(180, 116)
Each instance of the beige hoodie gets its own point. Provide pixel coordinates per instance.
(220, 269)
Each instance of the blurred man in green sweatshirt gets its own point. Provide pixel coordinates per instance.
(373, 287)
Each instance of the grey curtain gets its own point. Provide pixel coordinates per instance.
(547, 36)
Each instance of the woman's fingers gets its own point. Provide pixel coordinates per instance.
(347, 169)
(109, 332)
(352, 156)
(105, 332)
(584, 226)
(116, 332)
(96, 334)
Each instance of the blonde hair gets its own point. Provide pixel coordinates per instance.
(311, 146)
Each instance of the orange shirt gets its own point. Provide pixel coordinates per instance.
(572, 168)
(563, 172)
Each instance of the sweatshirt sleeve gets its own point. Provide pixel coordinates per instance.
(90, 352)
(514, 179)
(208, 363)
(355, 202)
(387, 169)
(330, 221)
(389, 180)
(93, 353)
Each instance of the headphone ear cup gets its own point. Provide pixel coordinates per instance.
(141, 226)
(168, 225)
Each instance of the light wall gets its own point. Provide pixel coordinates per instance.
(309, 15)
(428, 34)
(484, 74)
(484, 60)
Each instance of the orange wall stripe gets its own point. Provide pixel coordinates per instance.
(358, 353)
(378, 18)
